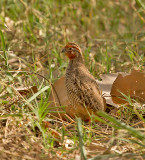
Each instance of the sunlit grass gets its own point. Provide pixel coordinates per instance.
(111, 36)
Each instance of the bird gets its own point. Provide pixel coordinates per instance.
(81, 87)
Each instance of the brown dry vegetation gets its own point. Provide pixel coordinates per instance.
(32, 34)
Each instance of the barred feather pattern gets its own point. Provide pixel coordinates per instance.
(82, 89)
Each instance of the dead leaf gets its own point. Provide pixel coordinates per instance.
(105, 86)
(132, 85)
(58, 97)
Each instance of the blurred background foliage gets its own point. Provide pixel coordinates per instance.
(110, 33)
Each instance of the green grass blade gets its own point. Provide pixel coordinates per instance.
(141, 3)
(82, 147)
(36, 94)
(122, 125)
(4, 48)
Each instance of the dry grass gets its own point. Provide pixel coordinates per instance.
(112, 38)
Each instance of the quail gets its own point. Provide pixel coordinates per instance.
(82, 89)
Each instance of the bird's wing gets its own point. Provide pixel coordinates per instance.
(90, 94)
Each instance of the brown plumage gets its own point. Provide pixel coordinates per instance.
(82, 89)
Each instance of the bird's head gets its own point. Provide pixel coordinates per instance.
(72, 51)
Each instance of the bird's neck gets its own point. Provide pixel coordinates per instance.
(76, 61)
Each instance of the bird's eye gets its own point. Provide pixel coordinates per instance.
(70, 49)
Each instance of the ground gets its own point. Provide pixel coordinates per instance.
(32, 35)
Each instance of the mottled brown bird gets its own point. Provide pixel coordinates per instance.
(82, 89)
